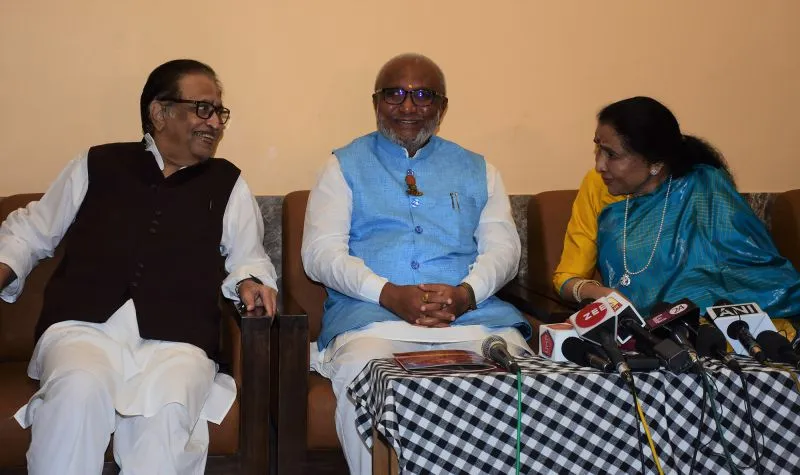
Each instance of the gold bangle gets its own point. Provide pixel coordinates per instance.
(576, 289)
(471, 304)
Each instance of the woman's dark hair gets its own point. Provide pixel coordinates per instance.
(163, 82)
(649, 129)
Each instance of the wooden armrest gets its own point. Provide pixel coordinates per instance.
(542, 304)
(255, 388)
(289, 404)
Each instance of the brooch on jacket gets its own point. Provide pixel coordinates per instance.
(411, 184)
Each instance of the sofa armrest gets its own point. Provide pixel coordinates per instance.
(251, 368)
(289, 404)
(541, 304)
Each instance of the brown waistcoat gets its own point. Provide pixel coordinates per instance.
(153, 239)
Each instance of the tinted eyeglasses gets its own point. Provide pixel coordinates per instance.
(204, 109)
(420, 97)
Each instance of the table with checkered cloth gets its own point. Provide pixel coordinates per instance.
(576, 419)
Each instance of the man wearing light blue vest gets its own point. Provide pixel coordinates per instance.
(412, 235)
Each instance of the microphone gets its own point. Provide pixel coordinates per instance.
(778, 348)
(740, 330)
(644, 363)
(674, 357)
(678, 321)
(684, 312)
(724, 314)
(551, 339)
(711, 342)
(495, 348)
(597, 323)
(624, 309)
(581, 353)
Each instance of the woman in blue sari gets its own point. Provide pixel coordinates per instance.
(659, 219)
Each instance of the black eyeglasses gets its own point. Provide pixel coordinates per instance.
(204, 109)
(421, 97)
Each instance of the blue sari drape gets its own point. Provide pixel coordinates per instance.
(712, 247)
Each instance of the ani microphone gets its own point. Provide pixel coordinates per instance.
(740, 330)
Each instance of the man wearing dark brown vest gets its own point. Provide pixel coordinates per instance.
(130, 323)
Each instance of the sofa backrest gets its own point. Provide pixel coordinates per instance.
(301, 295)
(785, 225)
(545, 242)
(18, 320)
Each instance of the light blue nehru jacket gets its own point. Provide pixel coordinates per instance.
(413, 239)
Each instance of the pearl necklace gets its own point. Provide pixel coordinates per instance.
(626, 277)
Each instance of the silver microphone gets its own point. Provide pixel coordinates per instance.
(495, 348)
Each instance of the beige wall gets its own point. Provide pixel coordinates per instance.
(525, 77)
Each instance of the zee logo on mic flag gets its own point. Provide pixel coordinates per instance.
(591, 315)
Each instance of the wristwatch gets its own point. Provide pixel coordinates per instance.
(471, 304)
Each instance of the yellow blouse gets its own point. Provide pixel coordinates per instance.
(579, 257)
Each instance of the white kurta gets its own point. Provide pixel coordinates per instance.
(33, 233)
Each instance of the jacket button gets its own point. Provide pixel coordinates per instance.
(134, 284)
(414, 265)
(418, 229)
(152, 230)
(158, 212)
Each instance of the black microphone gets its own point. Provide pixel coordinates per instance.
(597, 322)
(778, 348)
(644, 363)
(740, 330)
(674, 357)
(495, 348)
(678, 322)
(582, 353)
(711, 342)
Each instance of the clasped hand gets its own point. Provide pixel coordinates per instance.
(428, 305)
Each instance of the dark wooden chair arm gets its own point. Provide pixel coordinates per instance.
(253, 367)
(289, 404)
(542, 304)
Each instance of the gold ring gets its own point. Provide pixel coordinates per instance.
(425, 297)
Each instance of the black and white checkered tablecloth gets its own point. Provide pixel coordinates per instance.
(576, 420)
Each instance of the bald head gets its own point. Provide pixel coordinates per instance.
(411, 65)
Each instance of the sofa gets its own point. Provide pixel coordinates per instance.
(301, 404)
(304, 404)
(239, 445)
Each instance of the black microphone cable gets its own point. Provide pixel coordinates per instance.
(713, 338)
(710, 393)
(752, 424)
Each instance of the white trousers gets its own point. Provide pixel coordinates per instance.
(99, 379)
(73, 423)
(348, 360)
